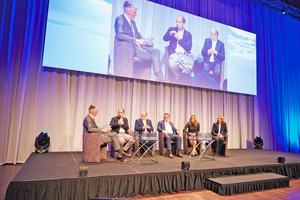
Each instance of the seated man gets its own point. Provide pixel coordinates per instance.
(126, 30)
(213, 53)
(180, 42)
(170, 133)
(142, 125)
(90, 125)
(119, 124)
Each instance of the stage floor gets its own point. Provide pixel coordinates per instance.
(62, 165)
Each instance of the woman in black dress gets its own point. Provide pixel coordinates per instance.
(192, 129)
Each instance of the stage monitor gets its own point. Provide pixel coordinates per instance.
(95, 36)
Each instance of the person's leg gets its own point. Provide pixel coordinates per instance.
(155, 55)
(217, 73)
(168, 143)
(130, 141)
(173, 65)
(215, 144)
(121, 139)
(177, 138)
(112, 137)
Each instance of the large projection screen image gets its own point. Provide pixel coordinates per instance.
(151, 42)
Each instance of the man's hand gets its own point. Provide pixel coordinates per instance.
(178, 133)
(152, 44)
(106, 130)
(146, 127)
(120, 122)
(219, 135)
(176, 35)
(172, 32)
(141, 42)
(210, 51)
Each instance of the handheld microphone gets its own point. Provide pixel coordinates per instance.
(119, 117)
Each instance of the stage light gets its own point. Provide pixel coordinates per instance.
(185, 165)
(281, 159)
(83, 171)
(42, 142)
(258, 142)
(283, 11)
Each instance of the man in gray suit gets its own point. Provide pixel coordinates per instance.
(126, 30)
(170, 133)
(90, 125)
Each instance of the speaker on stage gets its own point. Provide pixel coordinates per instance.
(281, 159)
(185, 165)
(83, 171)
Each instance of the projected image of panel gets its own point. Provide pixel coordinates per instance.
(151, 42)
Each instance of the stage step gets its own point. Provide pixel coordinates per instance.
(228, 185)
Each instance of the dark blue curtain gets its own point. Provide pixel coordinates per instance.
(22, 31)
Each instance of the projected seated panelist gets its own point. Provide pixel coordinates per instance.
(213, 53)
(180, 43)
(126, 30)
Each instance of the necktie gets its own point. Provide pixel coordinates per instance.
(134, 33)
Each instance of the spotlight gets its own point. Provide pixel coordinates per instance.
(281, 159)
(185, 165)
(283, 11)
(258, 142)
(42, 142)
(83, 171)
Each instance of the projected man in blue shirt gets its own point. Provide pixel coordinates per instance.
(126, 30)
(214, 54)
(180, 43)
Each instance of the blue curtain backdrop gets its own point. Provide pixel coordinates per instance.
(22, 31)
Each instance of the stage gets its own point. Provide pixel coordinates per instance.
(54, 175)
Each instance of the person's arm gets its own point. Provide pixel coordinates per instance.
(119, 29)
(214, 130)
(221, 53)
(88, 123)
(138, 127)
(114, 123)
(167, 37)
(187, 43)
(151, 127)
(205, 49)
(175, 130)
(225, 130)
(185, 129)
(159, 127)
(125, 126)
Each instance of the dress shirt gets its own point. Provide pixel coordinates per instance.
(179, 48)
(168, 127)
(213, 46)
(121, 129)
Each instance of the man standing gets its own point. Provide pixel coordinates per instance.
(180, 43)
(170, 133)
(214, 54)
(143, 124)
(126, 30)
(90, 126)
(119, 124)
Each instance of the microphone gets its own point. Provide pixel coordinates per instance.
(119, 117)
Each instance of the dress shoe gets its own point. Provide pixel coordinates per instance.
(126, 154)
(120, 159)
(170, 155)
(179, 155)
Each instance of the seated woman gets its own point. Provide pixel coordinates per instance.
(218, 131)
(192, 128)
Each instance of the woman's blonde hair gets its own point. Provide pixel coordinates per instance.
(195, 122)
(222, 119)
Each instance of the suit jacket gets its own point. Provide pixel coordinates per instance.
(124, 31)
(139, 125)
(220, 57)
(116, 127)
(161, 126)
(215, 129)
(90, 125)
(185, 42)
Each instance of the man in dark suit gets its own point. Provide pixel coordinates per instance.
(126, 30)
(90, 126)
(219, 131)
(170, 133)
(119, 124)
(180, 42)
(213, 53)
(143, 124)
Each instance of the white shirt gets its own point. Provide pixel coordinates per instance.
(91, 116)
(121, 129)
(168, 127)
(213, 46)
(219, 129)
(144, 122)
(180, 49)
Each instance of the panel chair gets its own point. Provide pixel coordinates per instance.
(93, 149)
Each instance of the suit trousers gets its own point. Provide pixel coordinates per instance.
(173, 137)
(215, 68)
(126, 137)
(218, 142)
(111, 137)
(149, 54)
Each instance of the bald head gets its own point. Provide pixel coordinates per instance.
(214, 34)
(144, 115)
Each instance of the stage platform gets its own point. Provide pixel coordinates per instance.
(54, 175)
